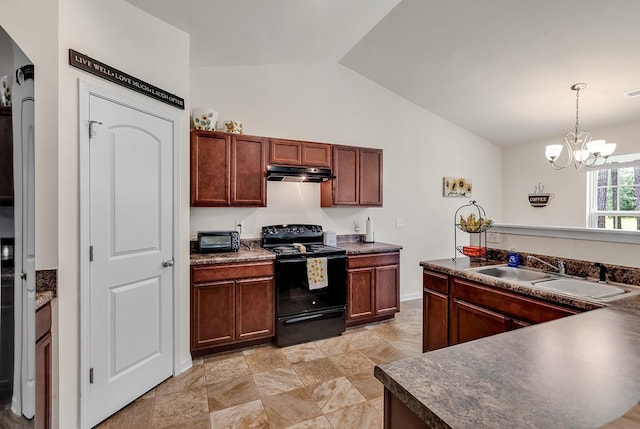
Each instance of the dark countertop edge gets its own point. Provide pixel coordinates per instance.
(459, 268)
(43, 298)
(259, 254)
(253, 255)
(410, 401)
(355, 248)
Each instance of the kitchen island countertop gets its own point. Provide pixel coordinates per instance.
(576, 372)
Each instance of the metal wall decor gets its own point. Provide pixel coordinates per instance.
(539, 198)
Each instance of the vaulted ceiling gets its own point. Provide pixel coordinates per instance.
(499, 68)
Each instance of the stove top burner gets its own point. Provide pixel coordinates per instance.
(308, 249)
(297, 240)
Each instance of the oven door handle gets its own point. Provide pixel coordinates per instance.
(303, 319)
(304, 259)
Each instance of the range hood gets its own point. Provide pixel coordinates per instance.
(281, 173)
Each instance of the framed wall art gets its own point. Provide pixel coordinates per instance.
(456, 187)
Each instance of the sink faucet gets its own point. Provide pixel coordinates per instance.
(603, 272)
(561, 268)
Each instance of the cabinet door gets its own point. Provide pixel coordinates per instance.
(212, 314)
(210, 169)
(249, 166)
(370, 177)
(43, 383)
(435, 320)
(254, 308)
(470, 322)
(346, 189)
(285, 152)
(387, 291)
(316, 154)
(360, 290)
(6, 157)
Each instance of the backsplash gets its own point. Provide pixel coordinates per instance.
(574, 267)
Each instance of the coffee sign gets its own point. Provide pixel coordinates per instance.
(97, 68)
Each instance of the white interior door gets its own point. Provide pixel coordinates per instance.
(23, 400)
(131, 253)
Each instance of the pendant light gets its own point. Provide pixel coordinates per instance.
(581, 149)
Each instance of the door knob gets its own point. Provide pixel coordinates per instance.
(168, 263)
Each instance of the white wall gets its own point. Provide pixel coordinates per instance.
(332, 104)
(525, 166)
(120, 35)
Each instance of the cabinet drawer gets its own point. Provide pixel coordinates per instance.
(517, 306)
(210, 273)
(43, 321)
(435, 281)
(376, 260)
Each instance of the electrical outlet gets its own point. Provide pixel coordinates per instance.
(494, 238)
(356, 225)
(399, 222)
(239, 225)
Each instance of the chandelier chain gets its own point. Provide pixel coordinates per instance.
(577, 111)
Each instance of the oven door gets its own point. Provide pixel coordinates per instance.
(293, 293)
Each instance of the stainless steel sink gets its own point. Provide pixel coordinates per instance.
(513, 274)
(581, 288)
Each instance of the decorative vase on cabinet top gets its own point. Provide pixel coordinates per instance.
(204, 118)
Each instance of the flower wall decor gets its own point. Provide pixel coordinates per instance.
(456, 187)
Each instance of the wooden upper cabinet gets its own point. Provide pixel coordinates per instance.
(292, 152)
(210, 169)
(358, 179)
(228, 170)
(248, 171)
(370, 177)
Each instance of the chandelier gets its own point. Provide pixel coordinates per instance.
(581, 149)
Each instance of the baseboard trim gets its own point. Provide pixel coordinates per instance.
(185, 364)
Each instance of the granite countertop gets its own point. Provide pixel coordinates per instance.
(243, 255)
(458, 268)
(574, 372)
(358, 247)
(43, 297)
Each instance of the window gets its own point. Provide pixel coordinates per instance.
(614, 195)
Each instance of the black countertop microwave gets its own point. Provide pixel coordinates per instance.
(218, 241)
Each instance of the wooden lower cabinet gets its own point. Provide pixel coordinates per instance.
(470, 322)
(42, 417)
(398, 416)
(457, 310)
(231, 304)
(373, 287)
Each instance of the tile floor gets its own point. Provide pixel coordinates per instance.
(8, 420)
(322, 384)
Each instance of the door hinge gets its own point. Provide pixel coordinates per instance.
(91, 376)
(92, 131)
(90, 253)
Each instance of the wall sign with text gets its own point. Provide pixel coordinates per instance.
(97, 68)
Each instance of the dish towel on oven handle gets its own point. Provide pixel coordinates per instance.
(317, 273)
